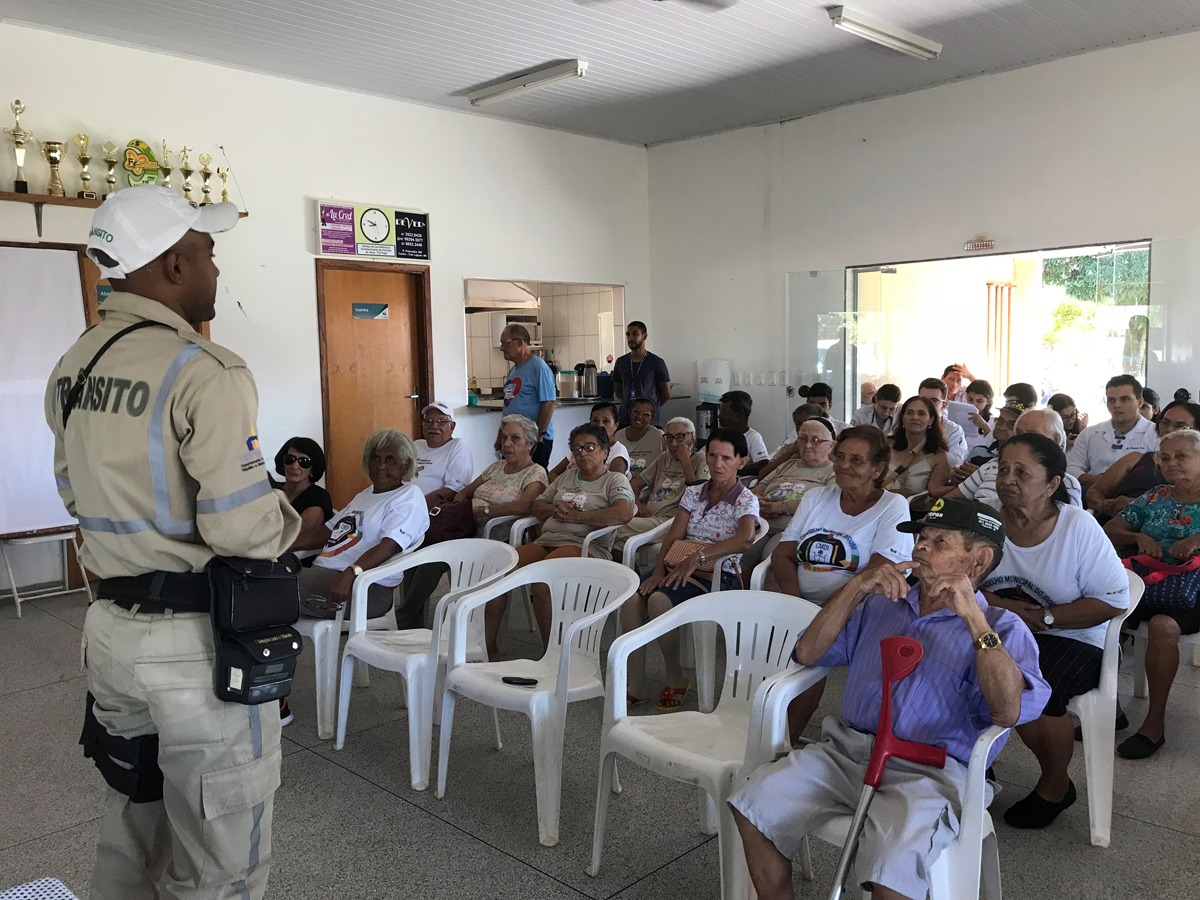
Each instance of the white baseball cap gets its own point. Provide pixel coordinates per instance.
(139, 224)
(440, 407)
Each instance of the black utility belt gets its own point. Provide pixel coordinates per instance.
(156, 592)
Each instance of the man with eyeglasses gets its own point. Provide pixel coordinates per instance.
(444, 463)
(659, 487)
(529, 389)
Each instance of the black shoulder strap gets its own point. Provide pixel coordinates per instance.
(77, 389)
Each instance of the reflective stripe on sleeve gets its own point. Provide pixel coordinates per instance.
(234, 500)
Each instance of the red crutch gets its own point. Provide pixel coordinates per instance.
(899, 656)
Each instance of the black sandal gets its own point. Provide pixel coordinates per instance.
(1138, 746)
(1035, 811)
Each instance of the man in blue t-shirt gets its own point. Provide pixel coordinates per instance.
(529, 388)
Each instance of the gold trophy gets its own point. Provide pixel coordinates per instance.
(186, 170)
(83, 141)
(164, 166)
(110, 161)
(19, 137)
(53, 151)
(206, 174)
(223, 174)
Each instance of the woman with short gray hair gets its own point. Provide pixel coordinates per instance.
(385, 518)
(508, 486)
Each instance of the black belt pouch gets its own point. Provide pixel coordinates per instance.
(255, 603)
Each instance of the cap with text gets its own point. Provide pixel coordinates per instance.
(440, 407)
(960, 515)
(137, 225)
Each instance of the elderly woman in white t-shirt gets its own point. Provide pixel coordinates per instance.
(720, 515)
(840, 530)
(384, 519)
(1061, 575)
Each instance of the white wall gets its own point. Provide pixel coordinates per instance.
(1090, 149)
(505, 200)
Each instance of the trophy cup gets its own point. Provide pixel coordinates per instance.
(19, 137)
(205, 175)
(164, 166)
(53, 151)
(83, 141)
(110, 161)
(186, 170)
(223, 174)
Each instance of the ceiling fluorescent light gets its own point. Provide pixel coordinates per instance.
(522, 84)
(884, 33)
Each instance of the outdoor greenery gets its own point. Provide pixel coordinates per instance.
(1114, 279)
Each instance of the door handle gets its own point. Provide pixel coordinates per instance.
(414, 396)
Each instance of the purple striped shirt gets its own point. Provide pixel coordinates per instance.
(941, 702)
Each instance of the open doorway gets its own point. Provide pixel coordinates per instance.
(1062, 320)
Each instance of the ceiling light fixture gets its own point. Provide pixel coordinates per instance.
(531, 81)
(884, 33)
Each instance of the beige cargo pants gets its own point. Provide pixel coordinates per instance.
(209, 838)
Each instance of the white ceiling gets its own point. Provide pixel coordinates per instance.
(659, 71)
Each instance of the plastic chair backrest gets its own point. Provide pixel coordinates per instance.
(579, 588)
(472, 561)
(760, 630)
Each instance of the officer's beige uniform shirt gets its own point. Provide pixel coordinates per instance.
(160, 462)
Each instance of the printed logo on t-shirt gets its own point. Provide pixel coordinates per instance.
(512, 389)
(787, 490)
(576, 499)
(423, 464)
(828, 551)
(669, 490)
(345, 534)
(1012, 586)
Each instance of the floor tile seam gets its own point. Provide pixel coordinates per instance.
(37, 687)
(708, 838)
(50, 834)
(474, 837)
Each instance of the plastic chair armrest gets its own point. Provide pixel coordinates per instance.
(638, 541)
(595, 535)
(767, 732)
(564, 659)
(516, 537)
(493, 523)
(400, 562)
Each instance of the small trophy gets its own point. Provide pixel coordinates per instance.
(110, 161)
(53, 151)
(206, 174)
(186, 170)
(19, 137)
(164, 166)
(223, 174)
(83, 142)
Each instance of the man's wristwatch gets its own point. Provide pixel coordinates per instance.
(356, 569)
(1048, 618)
(989, 640)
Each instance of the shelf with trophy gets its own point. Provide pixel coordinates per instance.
(138, 163)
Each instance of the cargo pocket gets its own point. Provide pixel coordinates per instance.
(185, 710)
(235, 804)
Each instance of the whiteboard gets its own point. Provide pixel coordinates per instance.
(41, 315)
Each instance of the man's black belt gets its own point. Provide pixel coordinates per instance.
(156, 592)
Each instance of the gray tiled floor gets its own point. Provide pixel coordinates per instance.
(348, 825)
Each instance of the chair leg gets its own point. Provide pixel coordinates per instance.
(1140, 685)
(705, 634)
(12, 581)
(444, 733)
(420, 726)
(608, 766)
(362, 674)
(616, 781)
(735, 875)
(548, 732)
(687, 658)
(990, 871)
(1097, 718)
(710, 818)
(805, 859)
(325, 661)
(496, 739)
(343, 710)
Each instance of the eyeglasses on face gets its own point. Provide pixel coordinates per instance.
(441, 421)
(813, 440)
(304, 461)
(581, 449)
(641, 412)
(678, 438)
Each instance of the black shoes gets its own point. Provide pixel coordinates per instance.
(1139, 746)
(1037, 812)
(285, 714)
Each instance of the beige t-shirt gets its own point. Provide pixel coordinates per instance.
(665, 482)
(791, 480)
(585, 495)
(643, 452)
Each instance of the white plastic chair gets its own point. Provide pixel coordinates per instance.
(704, 635)
(584, 592)
(419, 654)
(648, 541)
(759, 576)
(325, 635)
(1097, 712)
(705, 749)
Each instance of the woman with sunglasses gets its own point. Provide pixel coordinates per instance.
(301, 462)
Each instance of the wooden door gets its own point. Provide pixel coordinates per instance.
(375, 372)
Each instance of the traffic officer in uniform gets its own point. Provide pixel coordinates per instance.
(159, 461)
